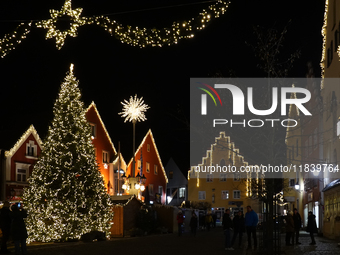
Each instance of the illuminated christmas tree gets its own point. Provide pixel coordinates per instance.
(66, 197)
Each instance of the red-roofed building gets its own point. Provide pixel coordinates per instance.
(18, 164)
(104, 148)
(148, 160)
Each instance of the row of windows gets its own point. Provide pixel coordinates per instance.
(332, 48)
(147, 166)
(151, 190)
(224, 194)
(223, 177)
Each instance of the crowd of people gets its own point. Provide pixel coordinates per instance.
(13, 227)
(248, 223)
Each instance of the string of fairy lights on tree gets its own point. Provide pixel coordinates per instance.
(131, 35)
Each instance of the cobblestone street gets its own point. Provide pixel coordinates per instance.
(205, 242)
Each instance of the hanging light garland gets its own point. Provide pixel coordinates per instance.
(133, 36)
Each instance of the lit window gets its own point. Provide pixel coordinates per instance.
(147, 167)
(237, 194)
(105, 157)
(160, 190)
(201, 195)
(22, 172)
(93, 130)
(148, 147)
(209, 177)
(31, 149)
(225, 194)
(138, 164)
(181, 192)
(156, 169)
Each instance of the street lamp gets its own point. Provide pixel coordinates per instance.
(133, 111)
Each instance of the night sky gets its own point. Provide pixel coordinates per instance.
(110, 71)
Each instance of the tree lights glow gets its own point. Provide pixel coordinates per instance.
(134, 36)
(134, 109)
(66, 197)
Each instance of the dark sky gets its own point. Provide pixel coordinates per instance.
(110, 71)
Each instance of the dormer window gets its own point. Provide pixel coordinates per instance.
(31, 149)
(93, 130)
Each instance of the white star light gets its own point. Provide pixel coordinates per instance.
(50, 24)
(134, 109)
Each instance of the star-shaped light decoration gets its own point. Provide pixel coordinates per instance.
(134, 109)
(53, 31)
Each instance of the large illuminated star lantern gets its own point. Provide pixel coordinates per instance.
(51, 24)
(134, 109)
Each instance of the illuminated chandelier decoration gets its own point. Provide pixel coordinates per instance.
(134, 36)
(134, 109)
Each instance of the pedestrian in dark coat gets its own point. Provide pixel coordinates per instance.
(180, 220)
(227, 227)
(239, 228)
(297, 225)
(18, 229)
(5, 224)
(311, 226)
(193, 223)
(251, 220)
(289, 228)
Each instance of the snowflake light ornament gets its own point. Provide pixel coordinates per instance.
(134, 109)
(51, 24)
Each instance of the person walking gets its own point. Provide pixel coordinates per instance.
(239, 228)
(208, 221)
(5, 225)
(227, 226)
(251, 220)
(289, 228)
(297, 225)
(193, 223)
(311, 226)
(18, 229)
(180, 220)
(214, 218)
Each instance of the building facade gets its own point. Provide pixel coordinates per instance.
(177, 187)
(222, 190)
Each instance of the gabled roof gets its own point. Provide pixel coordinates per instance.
(156, 150)
(23, 138)
(93, 105)
(178, 175)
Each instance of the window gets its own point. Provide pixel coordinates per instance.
(181, 192)
(147, 167)
(291, 182)
(237, 176)
(160, 190)
(151, 189)
(156, 169)
(209, 177)
(93, 130)
(225, 194)
(148, 148)
(171, 174)
(21, 175)
(22, 172)
(105, 157)
(138, 164)
(237, 194)
(201, 195)
(223, 177)
(31, 149)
